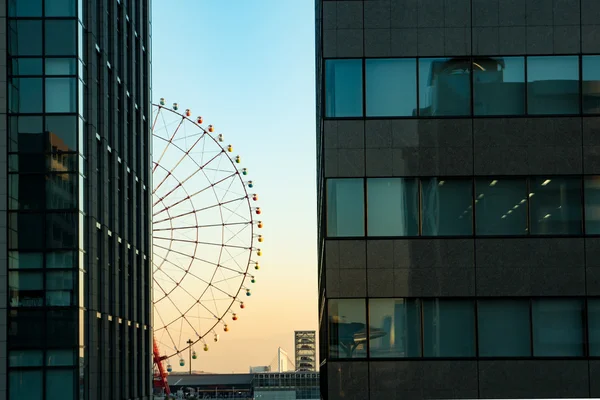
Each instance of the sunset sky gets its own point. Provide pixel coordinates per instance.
(248, 68)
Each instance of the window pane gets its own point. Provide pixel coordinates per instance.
(499, 86)
(395, 327)
(61, 38)
(393, 207)
(25, 38)
(25, 95)
(555, 206)
(62, 133)
(60, 8)
(27, 163)
(26, 289)
(553, 85)
(347, 328)
(25, 358)
(25, 385)
(501, 206)
(20, 260)
(26, 66)
(61, 259)
(557, 327)
(61, 162)
(61, 66)
(61, 95)
(444, 86)
(448, 328)
(62, 327)
(25, 231)
(592, 204)
(504, 328)
(61, 230)
(594, 326)
(343, 88)
(25, 8)
(447, 207)
(391, 87)
(60, 358)
(24, 328)
(26, 134)
(61, 191)
(60, 384)
(59, 288)
(24, 192)
(345, 207)
(591, 84)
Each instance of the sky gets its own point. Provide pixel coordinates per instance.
(247, 66)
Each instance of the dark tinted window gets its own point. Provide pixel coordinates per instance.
(25, 8)
(395, 327)
(391, 87)
(61, 95)
(592, 205)
(558, 327)
(25, 95)
(555, 206)
(345, 207)
(25, 191)
(62, 133)
(591, 84)
(504, 328)
(26, 66)
(447, 207)
(553, 85)
(25, 38)
(60, 8)
(26, 231)
(448, 328)
(26, 134)
(61, 191)
(61, 230)
(347, 321)
(444, 86)
(501, 206)
(499, 86)
(61, 38)
(343, 88)
(593, 307)
(393, 207)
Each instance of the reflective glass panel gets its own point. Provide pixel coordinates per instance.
(395, 327)
(592, 204)
(345, 207)
(504, 328)
(61, 191)
(26, 66)
(61, 230)
(27, 163)
(59, 288)
(61, 259)
(25, 231)
(553, 85)
(447, 207)
(555, 206)
(25, 8)
(593, 308)
(60, 384)
(21, 260)
(347, 328)
(60, 358)
(26, 358)
(25, 95)
(26, 289)
(343, 88)
(444, 86)
(448, 328)
(61, 95)
(62, 133)
(26, 134)
(25, 384)
(62, 327)
(558, 327)
(24, 328)
(61, 38)
(61, 66)
(499, 86)
(591, 84)
(60, 8)
(501, 206)
(391, 87)
(24, 192)
(25, 38)
(392, 207)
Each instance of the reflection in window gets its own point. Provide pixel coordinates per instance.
(62, 327)
(347, 328)
(501, 206)
(26, 289)
(499, 86)
(25, 8)
(61, 191)
(59, 288)
(555, 206)
(61, 259)
(25, 231)
(61, 66)
(60, 8)
(593, 316)
(345, 207)
(343, 88)
(448, 328)
(393, 207)
(553, 85)
(25, 384)
(504, 328)
(26, 134)
(591, 84)
(444, 86)
(25, 38)
(21, 260)
(592, 204)
(447, 207)
(24, 328)
(391, 87)
(24, 192)
(62, 133)
(61, 230)
(60, 384)
(61, 95)
(61, 38)
(25, 95)
(26, 66)
(395, 328)
(557, 327)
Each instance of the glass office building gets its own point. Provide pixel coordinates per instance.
(459, 198)
(75, 307)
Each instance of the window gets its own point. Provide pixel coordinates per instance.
(591, 84)
(345, 207)
(499, 86)
(553, 85)
(26, 134)
(60, 8)
(62, 133)
(61, 66)
(446, 207)
(444, 86)
(501, 206)
(557, 327)
(555, 206)
(61, 38)
(62, 327)
(25, 358)
(20, 260)
(61, 259)
(61, 95)
(26, 66)
(60, 384)
(26, 289)
(593, 308)
(61, 230)
(25, 384)
(392, 207)
(25, 328)
(24, 192)
(448, 328)
(25, 38)
(391, 87)
(60, 358)
(504, 328)
(592, 204)
(395, 327)
(343, 88)
(25, 8)
(25, 231)
(347, 328)
(25, 95)
(59, 288)
(61, 191)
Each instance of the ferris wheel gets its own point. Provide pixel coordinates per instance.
(204, 235)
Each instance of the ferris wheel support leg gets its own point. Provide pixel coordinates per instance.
(162, 375)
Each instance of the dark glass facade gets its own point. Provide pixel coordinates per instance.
(457, 166)
(76, 181)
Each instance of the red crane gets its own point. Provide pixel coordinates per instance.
(160, 379)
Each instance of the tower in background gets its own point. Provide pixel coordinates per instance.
(305, 350)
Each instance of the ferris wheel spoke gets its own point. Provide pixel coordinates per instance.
(231, 211)
(196, 211)
(202, 226)
(199, 242)
(168, 142)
